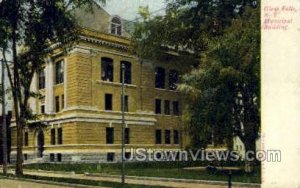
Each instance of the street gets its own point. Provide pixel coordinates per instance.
(8, 183)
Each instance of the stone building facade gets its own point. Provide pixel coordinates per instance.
(80, 105)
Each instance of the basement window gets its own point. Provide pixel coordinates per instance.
(110, 157)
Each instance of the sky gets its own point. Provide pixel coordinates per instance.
(128, 9)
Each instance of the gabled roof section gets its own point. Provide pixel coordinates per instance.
(97, 19)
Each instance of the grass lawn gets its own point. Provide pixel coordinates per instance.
(161, 169)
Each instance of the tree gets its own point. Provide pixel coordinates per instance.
(29, 28)
(223, 88)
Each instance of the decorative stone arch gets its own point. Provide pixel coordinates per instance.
(116, 25)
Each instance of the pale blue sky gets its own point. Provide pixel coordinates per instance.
(128, 9)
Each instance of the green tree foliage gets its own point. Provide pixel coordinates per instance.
(28, 29)
(223, 88)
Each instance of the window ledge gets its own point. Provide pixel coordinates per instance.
(57, 85)
(163, 89)
(115, 83)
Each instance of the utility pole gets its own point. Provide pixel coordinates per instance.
(4, 131)
(123, 124)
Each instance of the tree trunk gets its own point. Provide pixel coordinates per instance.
(250, 159)
(19, 162)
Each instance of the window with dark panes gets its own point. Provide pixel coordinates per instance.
(116, 26)
(157, 106)
(127, 72)
(59, 72)
(127, 135)
(26, 139)
(167, 137)
(42, 79)
(109, 135)
(57, 104)
(59, 157)
(52, 157)
(42, 109)
(108, 101)
(175, 107)
(59, 136)
(62, 101)
(173, 79)
(167, 107)
(176, 136)
(107, 69)
(110, 157)
(158, 136)
(52, 137)
(160, 77)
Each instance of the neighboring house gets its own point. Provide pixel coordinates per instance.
(81, 103)
(239, 146)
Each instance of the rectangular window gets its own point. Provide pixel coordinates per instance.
(107, 69)
(59, 157)
(52, 157)
(25, 157)
(109, 135)
(157, 106)
(42, 109)
(173, 79)
(158, 136)
(26, 139)
(59, 136)
(125, 104)
(57, 104)
(127, 135)
(160, 77)
(62, 101)
(59, 72)
(167, 137)
(127, 72)
(52, 136)
(108, 101)
(42, 79)
(175, 107)
(110, 157)
(176, 136)
(167, 107)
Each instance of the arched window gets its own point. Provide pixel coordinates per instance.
(116, 26)
(159, 77)
(173, 79)
(107, 69)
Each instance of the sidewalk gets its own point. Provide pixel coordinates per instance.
(167, 182)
